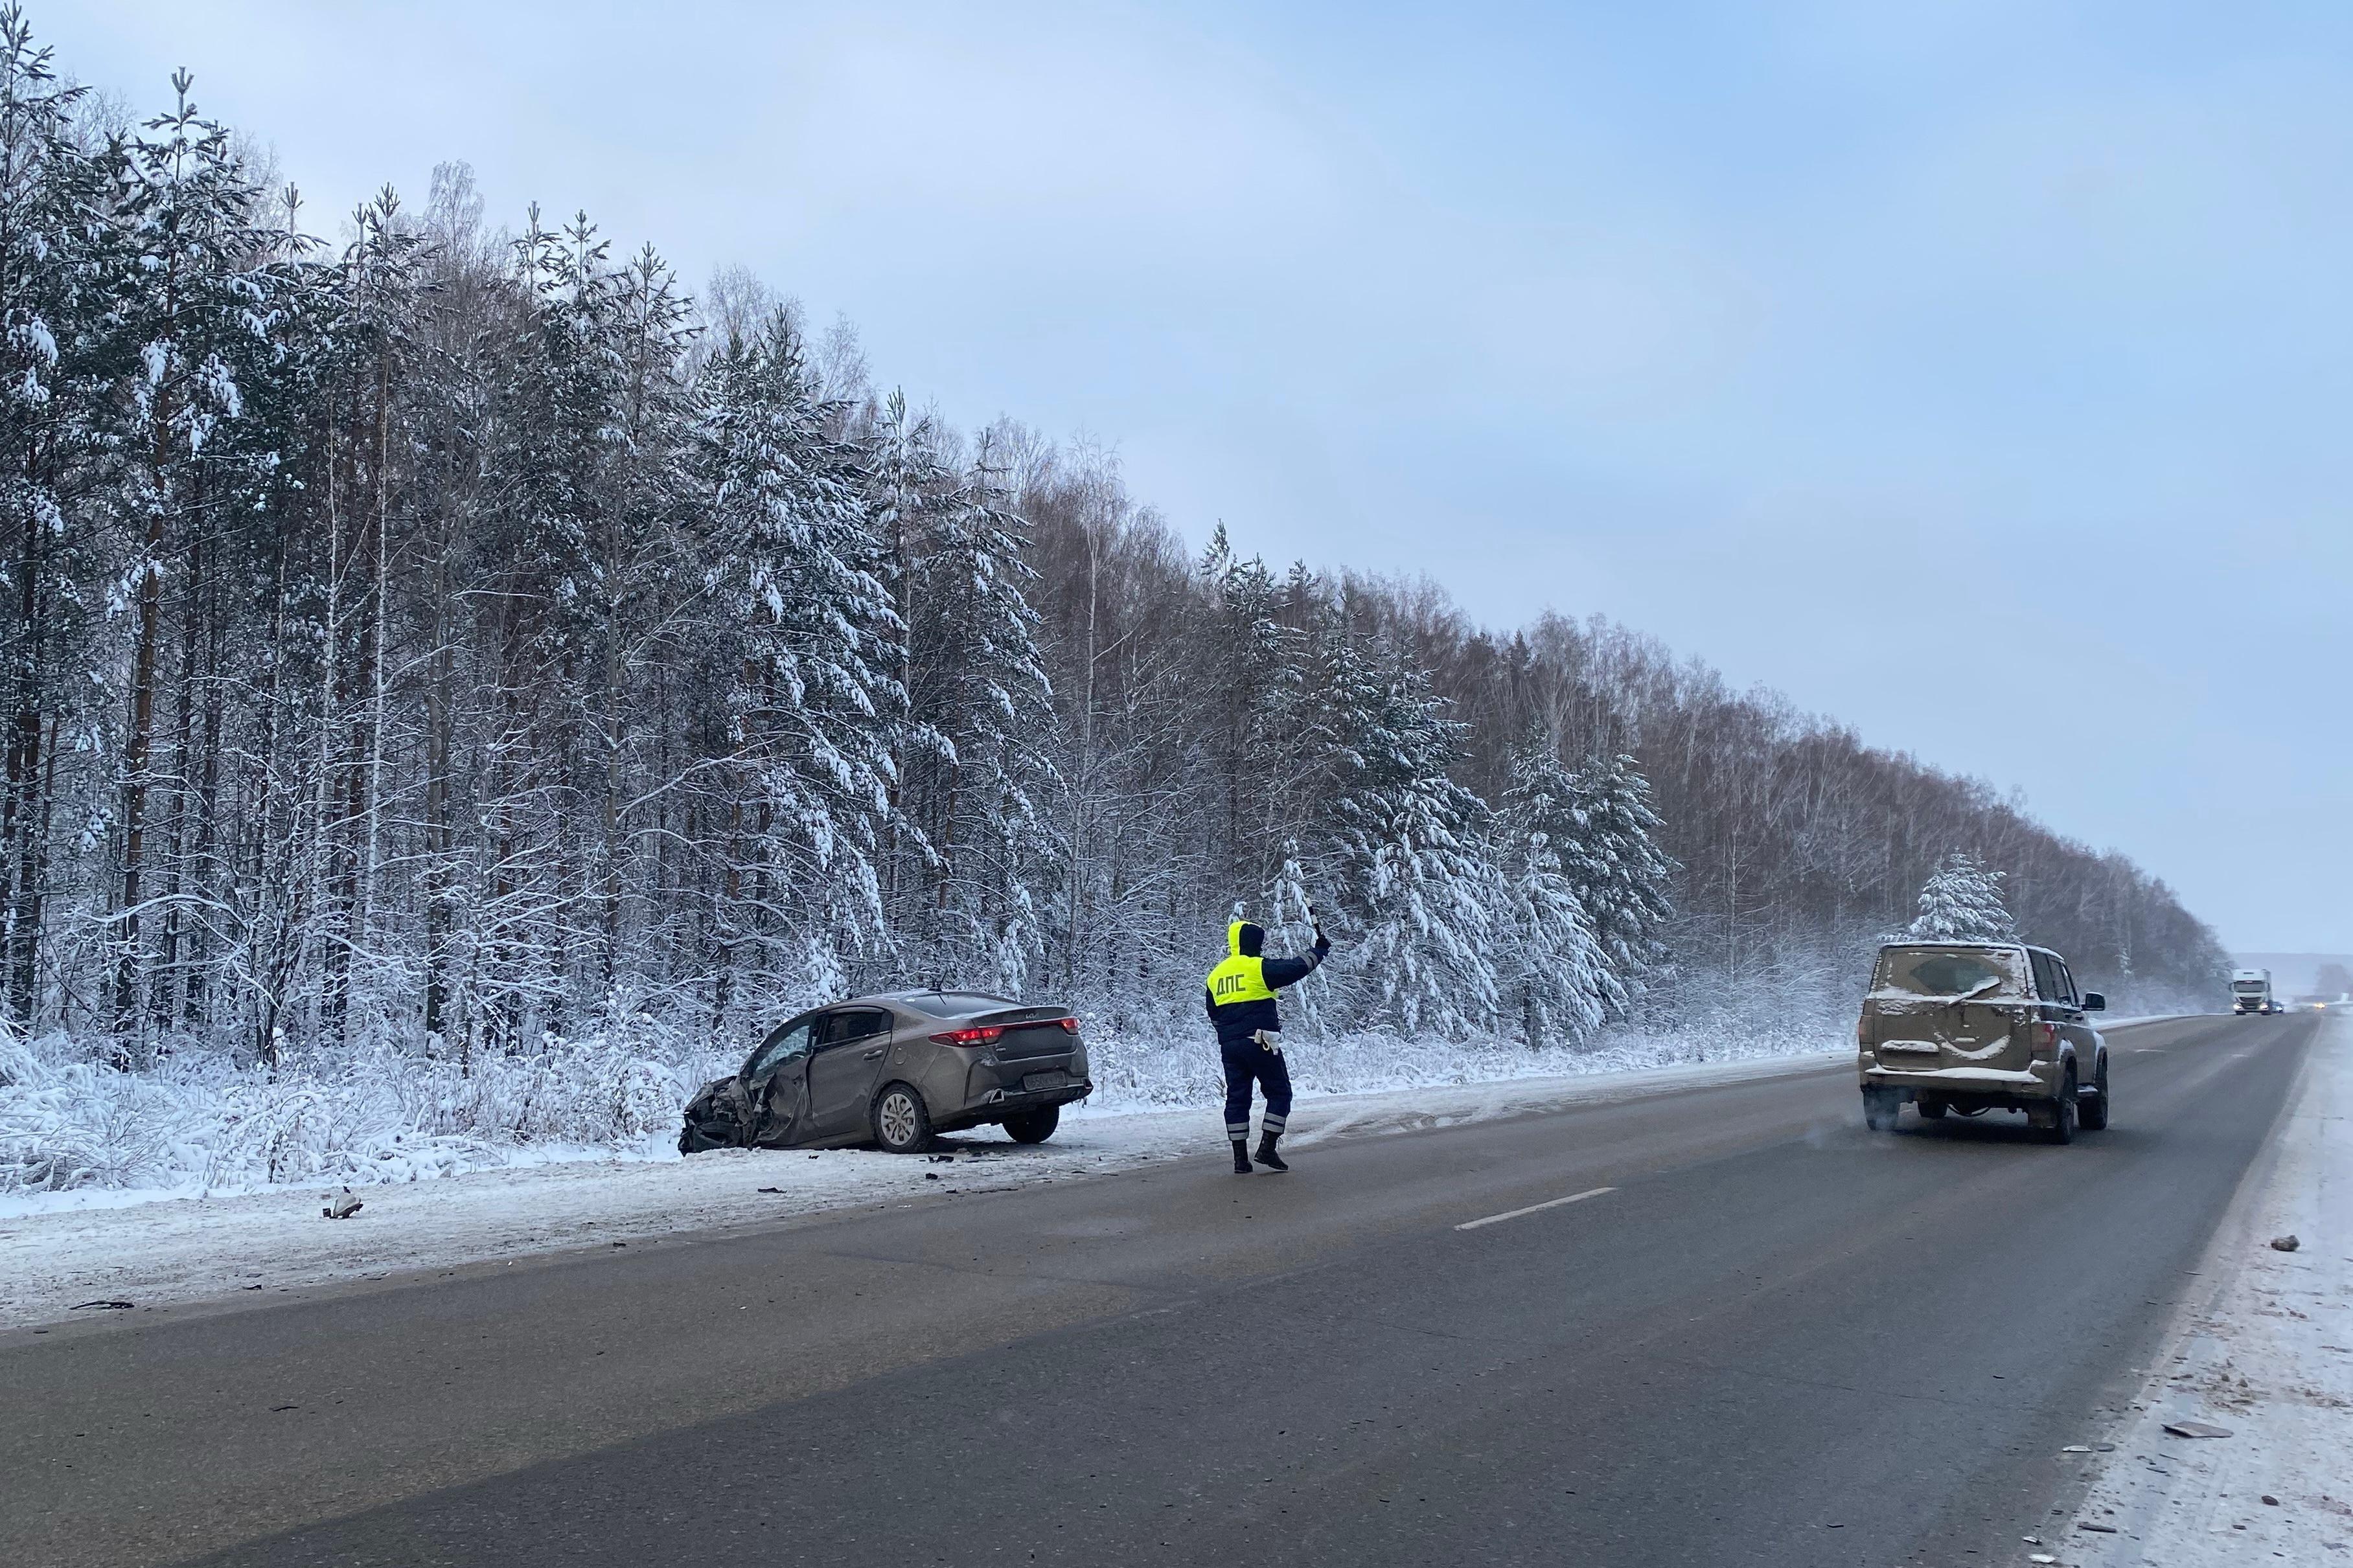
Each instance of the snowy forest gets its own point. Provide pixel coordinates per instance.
(434, 642)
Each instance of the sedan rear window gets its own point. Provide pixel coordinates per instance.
(952, 1003)
(1946, 972)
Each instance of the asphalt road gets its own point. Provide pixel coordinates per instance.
(1776, 1339)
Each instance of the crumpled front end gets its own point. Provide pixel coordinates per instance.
(716, 1118)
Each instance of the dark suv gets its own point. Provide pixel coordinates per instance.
(894, 1070)
(1965, 1027)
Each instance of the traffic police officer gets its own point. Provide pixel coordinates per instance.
(1240, 999)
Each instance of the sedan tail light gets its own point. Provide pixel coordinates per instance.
(1070, 1025)
(986, 1034)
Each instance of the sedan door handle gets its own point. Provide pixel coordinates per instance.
(874, 1054)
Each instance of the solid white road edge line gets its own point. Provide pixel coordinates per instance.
(1533, 1208)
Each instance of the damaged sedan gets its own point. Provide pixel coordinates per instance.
(895, 1070)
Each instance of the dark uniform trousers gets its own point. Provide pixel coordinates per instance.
(1248, 1062)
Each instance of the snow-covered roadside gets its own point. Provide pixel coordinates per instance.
(159, 1254)
(77, 1133)
(2267, 1356)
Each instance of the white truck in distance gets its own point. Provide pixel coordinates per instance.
(2251, 991)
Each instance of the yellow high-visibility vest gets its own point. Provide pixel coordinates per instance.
(1238, 978)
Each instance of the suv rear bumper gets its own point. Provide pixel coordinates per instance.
(2038, 1080)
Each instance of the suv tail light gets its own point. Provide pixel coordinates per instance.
(987, 1034)
(2046, 1036)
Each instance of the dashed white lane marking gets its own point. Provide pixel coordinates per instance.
(1533, 1208)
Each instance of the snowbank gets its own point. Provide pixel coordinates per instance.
(195, 1123)
(2267, 1356)
(90, 1246)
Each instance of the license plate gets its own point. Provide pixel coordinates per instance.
(1054, 1080)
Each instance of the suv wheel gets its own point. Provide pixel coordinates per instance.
(1880, 1109)
(2093, 1113)
(902, 1124)
(1034, 1126)
(2055, 1118)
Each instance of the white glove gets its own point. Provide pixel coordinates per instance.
(1270, 1039)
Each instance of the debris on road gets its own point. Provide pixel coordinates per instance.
(2269, 1502)
(2076, 1449)
(2196, 1429)
(2097, 1529)
(772, 1189)
(103, 1306)
(2285, 1244)
(342, 1206)
(2041, 1557)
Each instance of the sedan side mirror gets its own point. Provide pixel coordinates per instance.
(2095, 1003)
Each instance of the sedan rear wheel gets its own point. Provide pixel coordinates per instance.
(902, 1124)
(1034, 1126)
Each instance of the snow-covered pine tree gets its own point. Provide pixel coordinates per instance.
(1410, 843)
(1962, 902)
(810, 641)
(591, 415)
(1251, 675)
(1345, 699)
(904, 482)
(1549, 968)
(1291, 931)
(192, 318)
(976, 679)
(1541, 795)
(54, 406)
(1610, 853)
(350, 335)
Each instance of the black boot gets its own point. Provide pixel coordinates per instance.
(1266, 1154)
(1241, 1157)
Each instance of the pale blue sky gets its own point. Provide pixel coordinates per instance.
(1778, 331)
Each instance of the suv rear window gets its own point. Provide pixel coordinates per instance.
(1951, 972)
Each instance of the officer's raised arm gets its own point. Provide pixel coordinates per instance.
(1283, 972)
